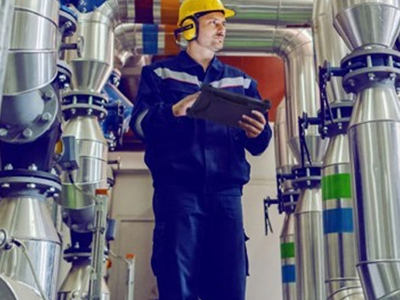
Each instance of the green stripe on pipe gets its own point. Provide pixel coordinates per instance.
(287, 250)
(336, 186)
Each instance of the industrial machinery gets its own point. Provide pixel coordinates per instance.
(371, 72)
(58, 85)
(287, 196)
(336, 107)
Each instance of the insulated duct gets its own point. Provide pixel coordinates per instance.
(284, 160)
(119, 108)
(288, 196)
(371, 71)
(340, 264)
(263, 12)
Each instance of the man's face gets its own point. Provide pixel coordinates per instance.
(212, 31)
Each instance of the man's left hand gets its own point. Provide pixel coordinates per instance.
(253, 126)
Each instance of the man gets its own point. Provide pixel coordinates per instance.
(198, 167)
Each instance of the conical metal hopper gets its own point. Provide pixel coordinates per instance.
(92, 63)
(92, 174)
(365, 22)
(27, 219)
(76, 282)
(13, 290)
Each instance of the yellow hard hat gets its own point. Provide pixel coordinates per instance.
(190, 8)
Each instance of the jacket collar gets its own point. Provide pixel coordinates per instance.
(187, 62)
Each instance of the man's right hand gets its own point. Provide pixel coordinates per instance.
(179, 109)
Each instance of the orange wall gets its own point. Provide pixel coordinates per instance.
(269, 73)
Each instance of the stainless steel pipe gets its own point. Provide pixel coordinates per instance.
(374, 135)
(288, 258)
(33, 46)
(340, 250)
(284, 163)
(310, 267)
(370, 29)
(338, 222)
(284, 159)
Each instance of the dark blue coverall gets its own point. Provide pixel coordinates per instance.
(198, 169)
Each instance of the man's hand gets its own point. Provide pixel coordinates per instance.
(253, 126)
(179, 109)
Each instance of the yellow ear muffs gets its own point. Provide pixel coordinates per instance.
(188, 28)
(191, 33)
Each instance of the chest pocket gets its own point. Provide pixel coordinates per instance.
(174, 91)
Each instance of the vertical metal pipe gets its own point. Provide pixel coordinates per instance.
(370, 29)
(338, 224)
(301, 91)
(310, 269)
(84, 107)
(340, 259)
(284, 159)
(284, 163)
(288, 258)
(374, 135)
(30, 125)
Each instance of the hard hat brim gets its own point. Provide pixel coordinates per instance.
(229, 13)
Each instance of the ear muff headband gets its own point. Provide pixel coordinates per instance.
(188, 28)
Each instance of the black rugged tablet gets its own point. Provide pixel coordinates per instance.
(225, 107)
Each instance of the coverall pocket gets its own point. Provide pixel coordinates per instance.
(158, 254)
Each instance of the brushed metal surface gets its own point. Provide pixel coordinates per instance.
(28, 220)
(92, 154)
(92, 64)
(77, 281)
(13, 290)
(310, 269)
(363, 22)
(33, 46)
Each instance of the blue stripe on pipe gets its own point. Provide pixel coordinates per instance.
(338, 220)
(289, 274)
(150, 38)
